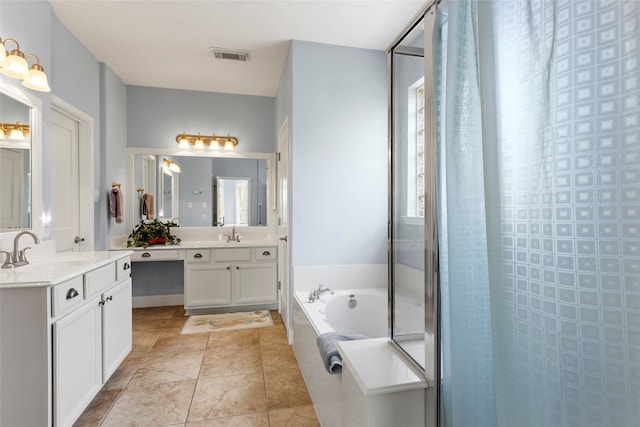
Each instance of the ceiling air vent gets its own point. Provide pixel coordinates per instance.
(235, 55)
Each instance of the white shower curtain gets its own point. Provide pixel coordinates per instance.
(539, 228)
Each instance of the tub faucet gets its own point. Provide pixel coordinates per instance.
(315, 294)
(18, 257)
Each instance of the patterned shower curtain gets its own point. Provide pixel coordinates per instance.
(538, 120)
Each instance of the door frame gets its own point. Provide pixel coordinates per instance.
(284, 248)
(85, 167)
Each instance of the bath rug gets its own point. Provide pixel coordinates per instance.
(205, 323)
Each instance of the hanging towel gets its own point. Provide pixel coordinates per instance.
(146, 207)
(330, 355)
(115, 205)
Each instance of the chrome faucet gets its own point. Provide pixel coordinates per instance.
(233, 237)
(316, 293)
(19, 256)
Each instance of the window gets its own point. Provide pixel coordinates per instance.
(420, 151)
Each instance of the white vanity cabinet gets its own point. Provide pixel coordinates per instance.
(65, 326)
(229, 277)
(90, 342)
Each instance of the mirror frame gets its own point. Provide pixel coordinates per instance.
(270, 158)
(37, 221)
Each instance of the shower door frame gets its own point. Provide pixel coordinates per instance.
(431, 281)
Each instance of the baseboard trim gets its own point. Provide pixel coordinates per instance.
(157, 301)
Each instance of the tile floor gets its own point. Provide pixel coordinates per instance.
(243, 378)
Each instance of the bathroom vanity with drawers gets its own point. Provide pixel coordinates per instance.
(222, 276)
(65, 326)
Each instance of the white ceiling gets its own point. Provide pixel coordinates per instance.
(166, 43)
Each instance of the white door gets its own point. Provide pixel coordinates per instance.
(65, 198)
(283, 224)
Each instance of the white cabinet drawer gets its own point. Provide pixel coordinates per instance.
(198, 255)
(66, 296)
(123, 268)
(99, 279)
(155, 255)
(235, 254)
(265, 254)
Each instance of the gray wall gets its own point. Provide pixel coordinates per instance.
(155, 116)
(75, 77)
(113, 94)
(339, 155)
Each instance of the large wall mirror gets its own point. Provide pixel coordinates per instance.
(207, 189)
(20, 168)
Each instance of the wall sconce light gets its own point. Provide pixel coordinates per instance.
(15, 132)
(172, 166)
(15, 65)
(200, 142)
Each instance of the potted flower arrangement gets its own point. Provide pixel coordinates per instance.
(152, 233)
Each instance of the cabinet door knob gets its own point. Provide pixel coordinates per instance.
(110, 298)
(228, 267)
(237, 267)
(72, 293)
(197, 256)
(146, 255)
(266, 253)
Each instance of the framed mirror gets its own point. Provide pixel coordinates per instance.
(20, 161)
(247, 184)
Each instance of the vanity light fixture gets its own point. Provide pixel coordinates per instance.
(200, 142)
(15, 65)
(15, 132)
(172, 166)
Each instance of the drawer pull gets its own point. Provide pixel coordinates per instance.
(146, 255)
(126, 266)
(266, 253)
(110, 298)
(197, 256)
(72, 293)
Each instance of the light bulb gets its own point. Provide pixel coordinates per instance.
(16, 66)
(37, 79)
(199, 144)
(184, 143)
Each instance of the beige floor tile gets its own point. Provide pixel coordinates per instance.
(154, 313)
(286, 389)
(277, 319)
(228, 396)
(278, 357)
(98, 408)
(150, 325)
(169, 343)
(233, 338)
(164, 368)
(123, 373)
(145, 338)
(158, 405)
(302, 416)
(276, 335)
(222, 361)
(260, 419)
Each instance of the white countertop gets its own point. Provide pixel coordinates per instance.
(377, 366)
(56, 268)
(204, 244)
